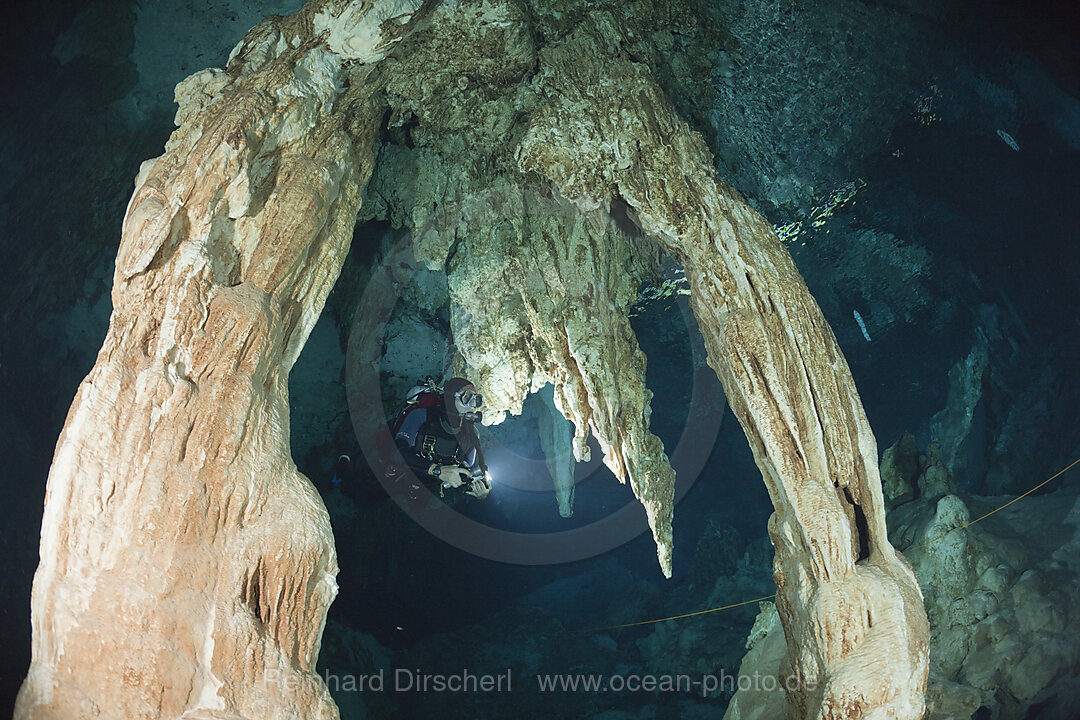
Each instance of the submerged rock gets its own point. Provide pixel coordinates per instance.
(900, 470)
(856, 630)
(999, 596)
(556, 437)
(935, 480)
(951, 427)
(540, 293)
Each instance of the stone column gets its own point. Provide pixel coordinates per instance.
(186, 566)
(852, 611)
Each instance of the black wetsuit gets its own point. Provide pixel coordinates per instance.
(424, 436)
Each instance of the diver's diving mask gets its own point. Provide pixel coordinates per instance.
(468, 403)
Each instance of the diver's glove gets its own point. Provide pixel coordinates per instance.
(451, 475)
(479, 488)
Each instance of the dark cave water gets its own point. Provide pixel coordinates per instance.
(999, 227)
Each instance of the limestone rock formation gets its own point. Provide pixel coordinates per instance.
(529, 311)
(999, 596)
(539, 293)
(556, 439)
(900, 470)
(851, 609)
(545, 182)
(726, 566)
(540, 284)
(186, 566)
(765, 654)
(416, 338)
(951, 426)
(935, 480)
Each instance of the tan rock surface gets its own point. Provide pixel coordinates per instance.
(548, 302)
(852, 612)
(186, 566)
(539, 293)
(765, 652)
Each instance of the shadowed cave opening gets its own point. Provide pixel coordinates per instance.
(862, 530)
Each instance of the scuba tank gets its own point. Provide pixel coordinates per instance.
(433, 446)
(427, 393)
(425, 386)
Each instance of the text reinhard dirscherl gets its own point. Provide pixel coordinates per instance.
(404, 680)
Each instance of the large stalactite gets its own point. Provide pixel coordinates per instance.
(539, 292)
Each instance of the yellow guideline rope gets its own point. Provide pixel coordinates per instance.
(679, 617)
(983, 517)
(917, 547)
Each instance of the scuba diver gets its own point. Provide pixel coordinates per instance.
(345, 479)
(435, 433)
(343, 470)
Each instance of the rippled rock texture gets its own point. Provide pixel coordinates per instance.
(851, 610)
(186, 566)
